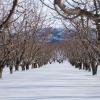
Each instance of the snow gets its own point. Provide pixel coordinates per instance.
(50, 82)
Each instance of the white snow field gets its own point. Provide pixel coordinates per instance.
(50, 82)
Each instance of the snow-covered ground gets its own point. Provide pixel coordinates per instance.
(50, 82)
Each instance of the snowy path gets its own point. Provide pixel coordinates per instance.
(51, 82)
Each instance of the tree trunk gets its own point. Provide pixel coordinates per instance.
(76, 65)
(34, 65)
(16, 67)
(86, 66)
(11, 69)
(80, 65)
(1, 70)
(27, 66)
(23, 67)
(94, 68)
(89, 69)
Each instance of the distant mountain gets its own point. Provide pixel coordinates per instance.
(55, 35)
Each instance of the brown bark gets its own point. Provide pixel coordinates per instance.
(1, 70)
(76, 11)
(9, 15)
(27, 66)
(23, 67)
(34, 65)
(94, 68)
(11, 69)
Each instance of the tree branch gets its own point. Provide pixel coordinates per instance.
(77, 11)
(9, 15)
